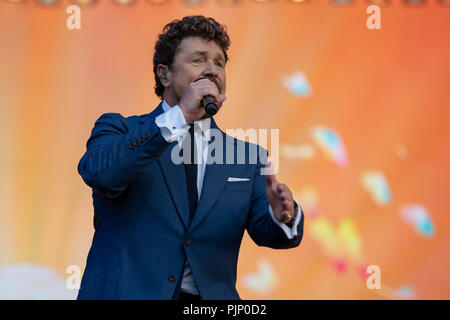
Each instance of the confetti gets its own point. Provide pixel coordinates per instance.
(297, 84)
(418, 216)
(405, 292)
(331, 143)
(376, 184)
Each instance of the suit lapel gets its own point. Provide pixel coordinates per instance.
(176, 183)
(175, 177)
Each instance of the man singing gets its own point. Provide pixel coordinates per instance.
(169, 230)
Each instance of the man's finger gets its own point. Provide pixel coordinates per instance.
(280, 188)
(270, 178)
(289, 205)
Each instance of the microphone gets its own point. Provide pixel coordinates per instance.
(208, 102)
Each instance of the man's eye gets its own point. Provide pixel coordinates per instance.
(218, 63)
(197, 60)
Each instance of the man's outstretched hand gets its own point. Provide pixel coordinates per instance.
(280, 199)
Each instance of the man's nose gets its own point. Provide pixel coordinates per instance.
(212, 73)
(211, 69)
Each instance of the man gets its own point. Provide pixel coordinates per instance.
(165, 230)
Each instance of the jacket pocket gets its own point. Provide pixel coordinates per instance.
(238, 185)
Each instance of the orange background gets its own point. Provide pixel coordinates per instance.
(376, 88)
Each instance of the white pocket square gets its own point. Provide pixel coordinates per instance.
(231, 179)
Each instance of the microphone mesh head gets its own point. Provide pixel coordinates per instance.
(211, 109)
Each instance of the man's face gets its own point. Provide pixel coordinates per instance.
(195, 57)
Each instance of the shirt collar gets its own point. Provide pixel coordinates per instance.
(204, 124)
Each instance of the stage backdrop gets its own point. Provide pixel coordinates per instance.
(364, 141)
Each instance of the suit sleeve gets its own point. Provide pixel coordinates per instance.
(117, 151)
(260, 225)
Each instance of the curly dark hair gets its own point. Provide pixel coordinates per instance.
(177, 30)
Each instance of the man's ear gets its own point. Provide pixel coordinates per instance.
(163, 74)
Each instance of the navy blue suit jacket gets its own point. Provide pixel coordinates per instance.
(141, 215)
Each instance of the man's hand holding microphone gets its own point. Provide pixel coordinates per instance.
(196, 98)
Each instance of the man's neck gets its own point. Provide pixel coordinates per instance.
(171, 101)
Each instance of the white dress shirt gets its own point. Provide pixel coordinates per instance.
(173, 127)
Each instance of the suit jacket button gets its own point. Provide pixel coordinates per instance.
(187, 241)
(172, 278)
